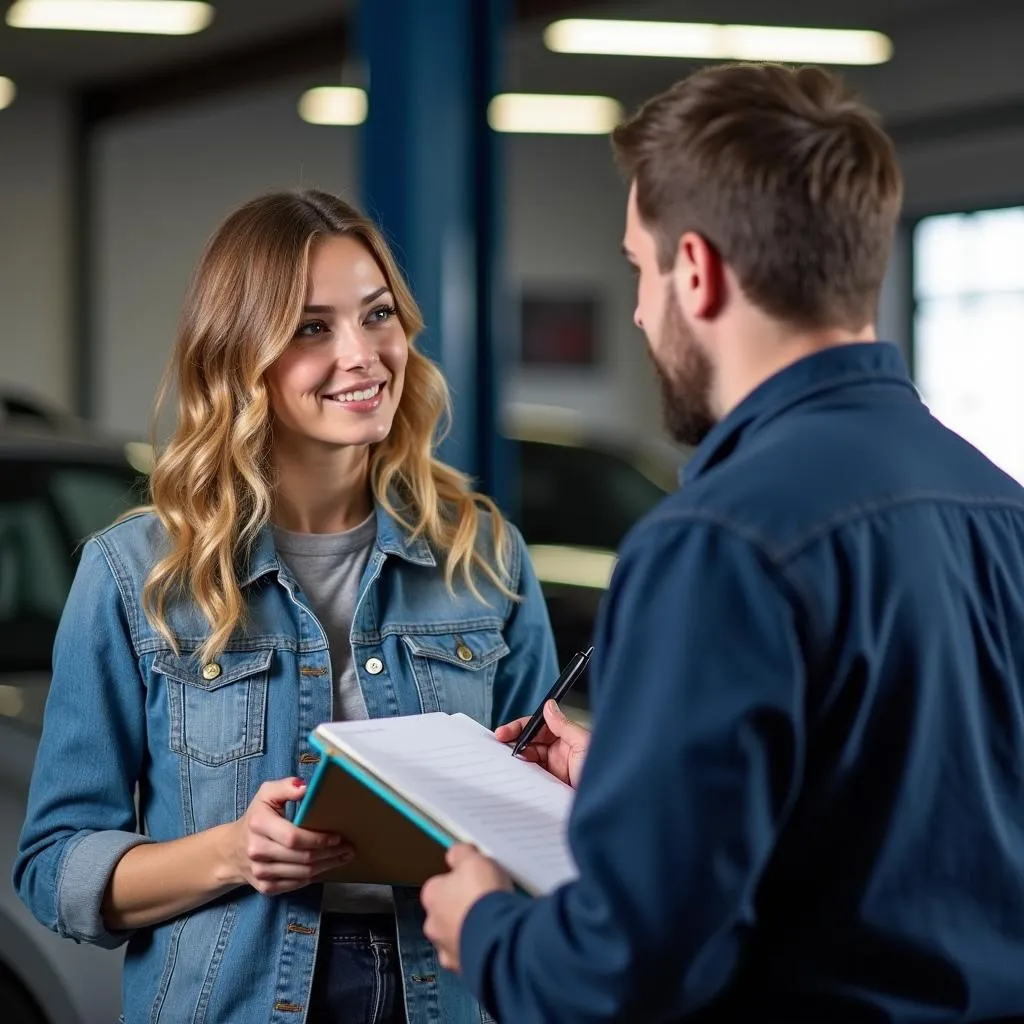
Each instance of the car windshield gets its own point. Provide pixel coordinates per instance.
(48, 507)
(581, 496)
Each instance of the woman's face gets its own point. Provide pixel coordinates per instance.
(340, 380)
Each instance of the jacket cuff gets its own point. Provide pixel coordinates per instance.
(82, 883)
(488, 919)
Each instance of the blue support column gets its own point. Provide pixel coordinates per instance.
(430, 178)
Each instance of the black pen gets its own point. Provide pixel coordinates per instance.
(568, 676)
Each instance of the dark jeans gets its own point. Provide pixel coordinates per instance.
(357, 978)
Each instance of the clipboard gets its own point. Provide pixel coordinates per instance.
(403, 790)
(395, 843)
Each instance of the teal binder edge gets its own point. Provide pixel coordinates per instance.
(328, 756)
(314, 783)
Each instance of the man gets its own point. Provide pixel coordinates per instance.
(804, 795)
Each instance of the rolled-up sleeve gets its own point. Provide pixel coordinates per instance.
(81, 816)
(695, 759)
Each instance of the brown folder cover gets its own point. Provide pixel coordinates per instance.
(390, 849)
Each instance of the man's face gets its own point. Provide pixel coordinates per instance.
(684, 369)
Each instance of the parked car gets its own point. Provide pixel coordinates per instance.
(58, 484)
(54, 490)
(579, 494)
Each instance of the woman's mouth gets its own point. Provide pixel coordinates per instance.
(361, 399)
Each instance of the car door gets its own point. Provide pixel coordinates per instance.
(48, 506)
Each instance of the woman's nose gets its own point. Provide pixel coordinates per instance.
(354, 350)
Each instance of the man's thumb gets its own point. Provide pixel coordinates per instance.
(556, 719)
(564, 727)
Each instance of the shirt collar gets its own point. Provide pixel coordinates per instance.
(835, 367)
(392, 539)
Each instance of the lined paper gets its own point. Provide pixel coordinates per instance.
(468, 782)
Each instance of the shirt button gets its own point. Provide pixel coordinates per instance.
(463, 653)
(374, 666)
(211, 670)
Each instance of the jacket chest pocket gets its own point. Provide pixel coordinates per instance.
(455, 671)
(217, 710)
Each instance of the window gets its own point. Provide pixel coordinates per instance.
(968, 321)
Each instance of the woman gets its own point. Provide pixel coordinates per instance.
(304, 558)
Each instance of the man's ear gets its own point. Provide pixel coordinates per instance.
(699, 277)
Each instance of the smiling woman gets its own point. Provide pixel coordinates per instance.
(304, 558)
(266, 375)
(341, 381)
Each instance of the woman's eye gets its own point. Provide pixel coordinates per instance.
(381, 315)
(312, 329)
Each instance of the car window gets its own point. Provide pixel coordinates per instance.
(90, 499)
(580, 495)
(47, 508)
(35, 574)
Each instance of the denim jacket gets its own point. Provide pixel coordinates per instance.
(140, 744)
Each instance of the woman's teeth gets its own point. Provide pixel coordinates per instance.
(356, 396)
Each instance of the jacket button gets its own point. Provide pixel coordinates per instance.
(463, 653)
(374, 666)
(211, 670)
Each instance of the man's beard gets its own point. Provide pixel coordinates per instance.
(685, 374)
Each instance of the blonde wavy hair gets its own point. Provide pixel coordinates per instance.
(212, 484)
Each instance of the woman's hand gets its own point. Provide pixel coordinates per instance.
(270, 853)
(560, 746)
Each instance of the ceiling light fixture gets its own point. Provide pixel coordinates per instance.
(7, 92)
(718, 42)
(333, 104)
(507, 112)
(553, 114)
(147, 17)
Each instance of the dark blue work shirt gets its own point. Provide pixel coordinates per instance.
(804, 796)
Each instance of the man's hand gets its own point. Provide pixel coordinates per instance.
(447, 899)
(560, 746)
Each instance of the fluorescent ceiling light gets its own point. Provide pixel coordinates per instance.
(561, 115)
(7, 92)
(333, 104)
(508, 112)
(150, 17)
(718, 42)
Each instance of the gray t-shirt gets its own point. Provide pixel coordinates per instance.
(329, 568)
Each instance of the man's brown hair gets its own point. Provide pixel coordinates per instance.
(784, 172)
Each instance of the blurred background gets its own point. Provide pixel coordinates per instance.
(476, 132)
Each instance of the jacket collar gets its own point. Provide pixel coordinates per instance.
(839, 366)
(392, 539)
